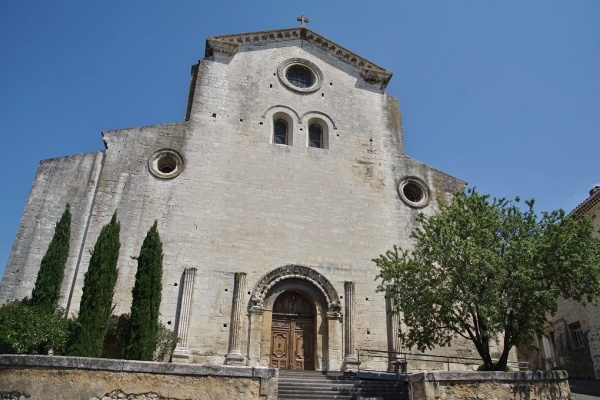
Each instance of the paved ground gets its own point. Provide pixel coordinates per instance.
(585, 389)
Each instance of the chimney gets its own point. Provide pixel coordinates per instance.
(594, 189)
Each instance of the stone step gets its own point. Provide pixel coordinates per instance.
(312, 385)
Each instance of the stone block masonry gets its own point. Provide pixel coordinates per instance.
(68, 378)
(537, 385)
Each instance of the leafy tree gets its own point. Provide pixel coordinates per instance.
(487, 270)
(49, 279)
(25, 329)
(146, 299)
(96, 301)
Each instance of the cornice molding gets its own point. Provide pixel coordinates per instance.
(587, 205)
(229, 45)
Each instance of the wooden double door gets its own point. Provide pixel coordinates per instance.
(293, 333)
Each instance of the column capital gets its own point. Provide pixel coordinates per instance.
(256, 310)
(333, 315)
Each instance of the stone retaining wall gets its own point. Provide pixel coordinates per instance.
(47, 377)
(531, 385)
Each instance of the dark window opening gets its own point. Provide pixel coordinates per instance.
(166, 165)
(413, 192)
(577, 334)
(299, 76)
(315, 136)
(280, 132)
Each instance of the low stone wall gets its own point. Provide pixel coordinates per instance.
(47, 377)
(530, 385)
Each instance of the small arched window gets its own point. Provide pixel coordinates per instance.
(280, 132)
(315, 136)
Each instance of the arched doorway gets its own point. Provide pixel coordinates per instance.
(293, 332)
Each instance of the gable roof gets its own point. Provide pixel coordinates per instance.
(229, 44)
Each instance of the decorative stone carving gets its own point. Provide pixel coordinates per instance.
(218, 46)
(229, 44)
(296, 272)
(292, 304)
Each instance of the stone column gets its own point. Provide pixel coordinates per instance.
(234, 355)
(350, 358)
(181, 354)
(396, 361)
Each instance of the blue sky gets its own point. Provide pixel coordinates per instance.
(503, 94)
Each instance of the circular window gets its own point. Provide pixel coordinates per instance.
(414, 192)
(165, 164)
(300, 75)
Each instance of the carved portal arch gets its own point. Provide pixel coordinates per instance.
(291, 271)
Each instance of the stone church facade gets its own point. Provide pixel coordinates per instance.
(286, 177)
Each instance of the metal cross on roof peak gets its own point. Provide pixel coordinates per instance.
(302, 19)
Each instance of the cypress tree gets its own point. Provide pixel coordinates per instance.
(96, 302)
(52, 269)
(146, 299)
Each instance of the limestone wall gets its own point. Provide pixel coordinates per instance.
(538, 385)
(68, 378)
(57, 182)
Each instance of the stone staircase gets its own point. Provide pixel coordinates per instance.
(317, 385)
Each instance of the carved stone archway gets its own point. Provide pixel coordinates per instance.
(328, 322)
(292, 271)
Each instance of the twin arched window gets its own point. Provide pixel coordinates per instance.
(317, 133)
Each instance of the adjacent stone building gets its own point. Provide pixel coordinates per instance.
(286, 177)
(572, 339)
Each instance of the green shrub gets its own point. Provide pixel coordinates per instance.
(166, 341)
(25, 329)
(117, 335)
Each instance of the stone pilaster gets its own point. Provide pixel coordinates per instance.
(350, 358)
(234, 355)
(393, 333)
(181, 354)
(254, 345)
(335, 348)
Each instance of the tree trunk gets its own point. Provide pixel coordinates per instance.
(501, 366)
(484, 352)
